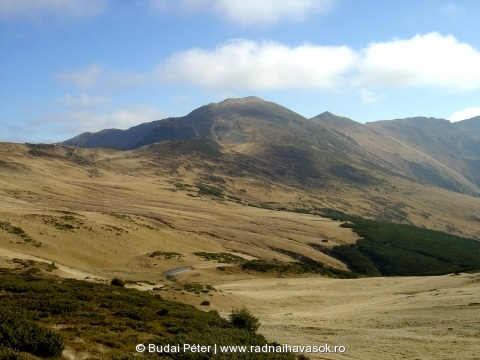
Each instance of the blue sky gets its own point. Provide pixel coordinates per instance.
(70, 66)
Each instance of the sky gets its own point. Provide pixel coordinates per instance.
(72, 66)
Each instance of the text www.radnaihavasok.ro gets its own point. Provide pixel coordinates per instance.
(253, 349)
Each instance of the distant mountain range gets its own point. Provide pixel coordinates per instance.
(289, 148)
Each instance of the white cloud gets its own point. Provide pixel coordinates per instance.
(250, 12)
(75, 122)
(96, 76)
(464, 114)
(243, 64)
(58, 8)
(122, 118)
(80, 78)
(429, 60)
(369, 97)
(267, 12)
(83, 100)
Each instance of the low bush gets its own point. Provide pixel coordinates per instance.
(209, 190)
(9, 354)
(167, 255)
(243, 319)
(117, 282)
(221, 257)
(392, 249)
(115, 318)
(296, 268)
(19, 332)
(357, 261)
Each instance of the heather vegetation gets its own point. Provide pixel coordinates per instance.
(166, 255)
(189, 287)
(42, 316)
(242, 319)
(221, 257)
(391, 249)
(296, 268)
(17, 230)
(209, 190)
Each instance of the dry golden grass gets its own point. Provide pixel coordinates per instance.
(117, 219)
(103, 219)
(377, 318)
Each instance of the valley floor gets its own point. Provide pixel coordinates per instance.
(424, 318)
(376, 318)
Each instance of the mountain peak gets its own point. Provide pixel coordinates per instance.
(325, 114)
(416, 122)
(328, 118)
(247, 99)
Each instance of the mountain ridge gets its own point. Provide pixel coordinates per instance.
(325, 148)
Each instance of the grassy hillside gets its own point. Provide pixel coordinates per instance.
(397, 249)
(44, 316)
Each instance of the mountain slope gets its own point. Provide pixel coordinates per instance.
(428, 150)
(455, 146)
(326, 149)
(113, 138)
(291, 146)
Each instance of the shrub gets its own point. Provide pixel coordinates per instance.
(106, 319)
(222, 257)
(17, 332)
(167, 255)
(209, 190)
(259, 265)
(243, 319)
(356, 260)
(163, 312)
(406, 250)
(205, 303)
(9, 354)
(117, 282)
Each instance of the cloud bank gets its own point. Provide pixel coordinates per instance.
(81, 120)
(244, 64)
(430, 61)
(122, 118)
